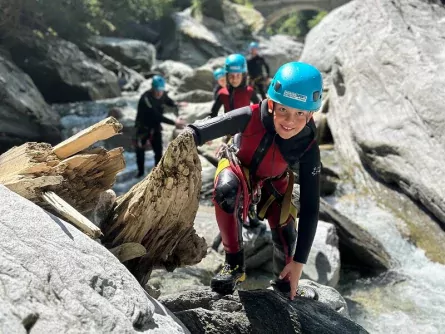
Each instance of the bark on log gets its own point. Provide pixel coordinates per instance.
(159, 212)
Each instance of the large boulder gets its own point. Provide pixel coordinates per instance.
(128, 79)
(260, 311)
(24, 115)
(138, 55)
(387, 91)
(323, 263)
(173, 69)
(279, 49)
(200, 78)
(62, 72)
(358, 248)
(195, 111)
(59, 280)
(202, 37)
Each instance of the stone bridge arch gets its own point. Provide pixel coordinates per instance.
(273, 10)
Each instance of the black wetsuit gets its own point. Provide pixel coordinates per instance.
(267, 155)
(148, 125)
(255, 70)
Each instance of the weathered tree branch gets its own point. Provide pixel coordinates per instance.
(159, 212)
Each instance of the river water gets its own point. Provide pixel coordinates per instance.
(408, 299)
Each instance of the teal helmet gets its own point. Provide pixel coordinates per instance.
(158, 83)
(253, 45)
(235, 63)
(297, 85)
(219, 73)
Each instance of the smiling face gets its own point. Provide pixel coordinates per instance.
(288, 121)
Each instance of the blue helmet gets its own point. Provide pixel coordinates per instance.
(158, 83)
(253, 45)
(236, 63)
(219, 73)
(297, 85)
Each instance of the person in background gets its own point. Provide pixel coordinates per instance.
(255, 65)
(150, 115)
(237, 93)
(220, 77)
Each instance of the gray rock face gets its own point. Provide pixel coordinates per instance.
(188, 277)
(195, 111)
(323, 264)
(328, 296)
(57, 280)
(62, 72)
(387, 91)
(200, 78)
(128, 79)
(173, 69)
(201, 38)
(24, 115)
(357, 246)
(195, 96)
(278, 50)
(135, 54)
(257, 311)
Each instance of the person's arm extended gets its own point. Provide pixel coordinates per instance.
(216, 127)
(156, 115)
(309, 175)
(169, 102)
(267, 67)
(215, 107)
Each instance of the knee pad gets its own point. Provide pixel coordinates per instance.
(226, 190)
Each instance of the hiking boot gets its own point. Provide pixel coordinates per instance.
(232, 273)
(283, 287)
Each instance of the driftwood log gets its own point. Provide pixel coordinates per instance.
(77, 175)
(159, 212)
(148, 227)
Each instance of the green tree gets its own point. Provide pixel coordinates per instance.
(316, 19)
(297, 24)
(76, 20)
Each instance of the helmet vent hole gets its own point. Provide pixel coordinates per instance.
(277, 86)
(316, 96)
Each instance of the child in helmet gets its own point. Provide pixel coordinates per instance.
(149, 118)
(220, 77)
(237, 93)
(255, 65)
(277, 137)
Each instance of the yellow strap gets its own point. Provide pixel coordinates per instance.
(266, 205)
(222, 164)
(286, 204)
